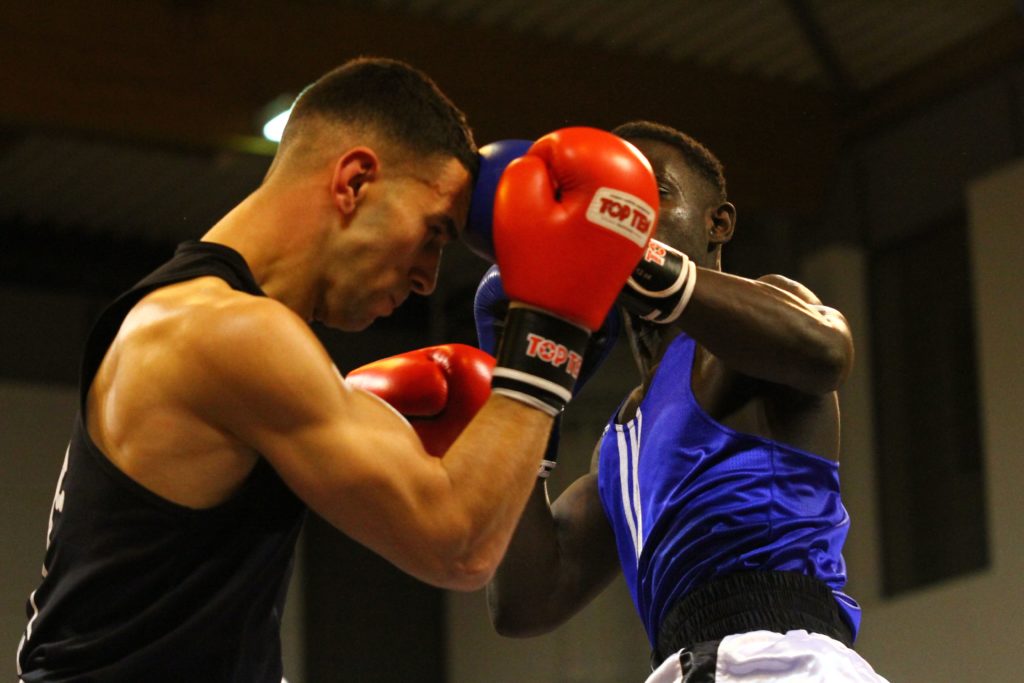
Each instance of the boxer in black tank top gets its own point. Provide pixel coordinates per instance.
(138, 588)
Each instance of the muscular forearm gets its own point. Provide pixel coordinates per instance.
(491, 468)
(519, 593)
(561, 556)
(445, 520)
(763, 331)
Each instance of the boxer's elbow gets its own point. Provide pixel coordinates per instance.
(508, 621)
(461, 561)
(819, 360)
(519, 618)
(455, 573)
(830, 364)
(518, 610)
(471, 573)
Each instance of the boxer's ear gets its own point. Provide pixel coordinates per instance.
(356, 167)
(723, 223)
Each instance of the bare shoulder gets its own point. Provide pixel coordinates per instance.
(205, 320)
(215, 347)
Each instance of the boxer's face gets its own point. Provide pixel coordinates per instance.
(397, 235)
(686, 218)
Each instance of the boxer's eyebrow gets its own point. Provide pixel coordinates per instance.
(448, 224)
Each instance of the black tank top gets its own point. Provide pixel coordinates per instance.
(137, 588)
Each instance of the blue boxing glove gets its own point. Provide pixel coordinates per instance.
(493, 160)
(491, 304)
(489, 308)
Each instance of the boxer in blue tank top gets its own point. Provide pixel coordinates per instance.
(714, 488)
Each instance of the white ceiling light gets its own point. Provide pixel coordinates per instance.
(274, 115)
(273, 128)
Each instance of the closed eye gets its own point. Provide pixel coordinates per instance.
(438, 236)
(442, 231)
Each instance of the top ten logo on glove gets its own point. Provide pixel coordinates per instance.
(623, 213)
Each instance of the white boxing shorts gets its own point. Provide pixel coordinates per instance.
(767, 657)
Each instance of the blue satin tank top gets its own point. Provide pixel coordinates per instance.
(691, 500)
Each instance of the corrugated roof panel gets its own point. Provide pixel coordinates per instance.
(488, 12)
(873, 40)
(656, 16)
(761, 21)
(685, 26)
(610, 18)
(773, 39)
(573, 16)
(721, 30)
(530, 15)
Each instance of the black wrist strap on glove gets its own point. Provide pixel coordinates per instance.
(661, 284)
(539, 359)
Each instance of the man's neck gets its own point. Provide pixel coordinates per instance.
(277, 248)
(649, 343)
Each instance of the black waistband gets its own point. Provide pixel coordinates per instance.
(751, 601)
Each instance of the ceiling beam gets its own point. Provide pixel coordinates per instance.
(810, 26)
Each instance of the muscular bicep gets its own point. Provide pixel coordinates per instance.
(345, 453)
(826, 315)
(586, 540)
(767, 329)
(560, 558)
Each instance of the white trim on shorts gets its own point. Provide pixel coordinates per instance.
(769, 657)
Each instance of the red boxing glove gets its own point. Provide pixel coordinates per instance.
(572, 218)
(438, 388)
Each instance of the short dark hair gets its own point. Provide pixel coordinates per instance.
(394, 98)
(696, 155)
